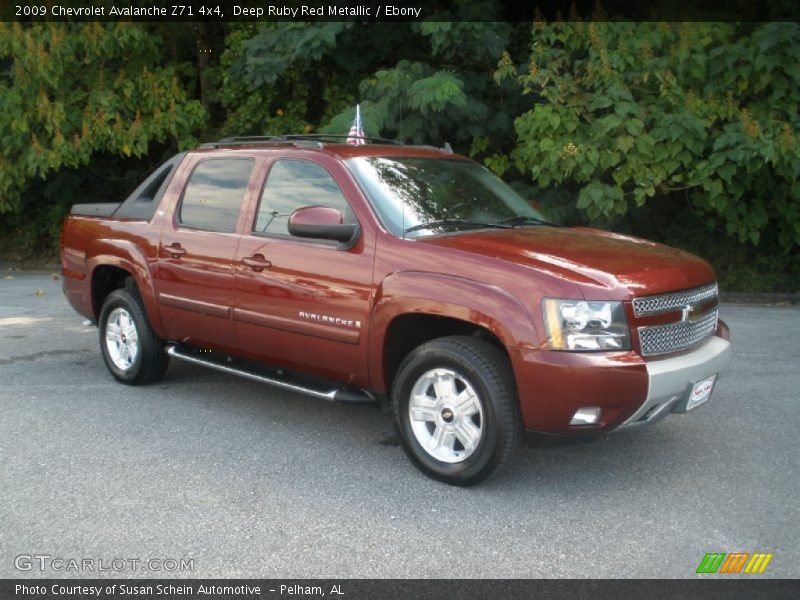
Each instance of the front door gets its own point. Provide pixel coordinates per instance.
(303, 304)
(194, 278)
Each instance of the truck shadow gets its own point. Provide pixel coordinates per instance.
(639, 458)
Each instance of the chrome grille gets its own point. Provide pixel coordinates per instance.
(674, 337)
(649, 305)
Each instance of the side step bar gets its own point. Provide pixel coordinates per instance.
(344, 396)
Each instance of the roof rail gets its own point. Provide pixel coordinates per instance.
(249, 140)
(337, 137)
(297, 139)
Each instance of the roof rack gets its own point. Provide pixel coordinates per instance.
(250, 140)
(337, 137)
(315, 139)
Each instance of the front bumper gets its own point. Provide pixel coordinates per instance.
(670, 381)
(630, 390)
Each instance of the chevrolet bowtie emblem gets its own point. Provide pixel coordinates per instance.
(690, 313)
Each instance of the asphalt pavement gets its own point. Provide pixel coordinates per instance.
(238, 479)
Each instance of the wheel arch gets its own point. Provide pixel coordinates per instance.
(106, 278)
(412, 308)
(120, 264)
(410, 330)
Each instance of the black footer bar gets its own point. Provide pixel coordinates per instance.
(357, 589)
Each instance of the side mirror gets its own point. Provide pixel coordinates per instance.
(324, 223)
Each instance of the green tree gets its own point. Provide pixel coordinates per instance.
(448, 94)
(431, 82)
(291, 77)
(70, 92)
(622, 112)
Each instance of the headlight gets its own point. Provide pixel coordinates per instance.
(581, 326)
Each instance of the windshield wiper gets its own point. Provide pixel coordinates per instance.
(455, 224)
(521, 220)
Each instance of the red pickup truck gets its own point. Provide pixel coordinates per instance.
(399, 274)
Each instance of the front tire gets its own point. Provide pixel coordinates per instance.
(455, 407)
(131, 349)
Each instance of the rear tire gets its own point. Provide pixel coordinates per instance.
(131, 349)
(455, 408)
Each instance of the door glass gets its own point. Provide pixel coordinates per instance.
(214, 194)
(292, 184)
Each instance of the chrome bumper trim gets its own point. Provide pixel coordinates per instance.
(671, 379)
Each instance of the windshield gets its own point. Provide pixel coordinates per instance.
(416, 196)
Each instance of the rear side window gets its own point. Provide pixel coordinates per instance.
(292, 184)
(214, 194)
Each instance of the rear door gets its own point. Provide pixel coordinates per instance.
(194, 277)
(304, 304)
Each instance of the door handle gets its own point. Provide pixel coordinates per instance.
(257, 262)
(175, 249)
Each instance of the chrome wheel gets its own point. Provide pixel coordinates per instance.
(122, 339)
(446, 415)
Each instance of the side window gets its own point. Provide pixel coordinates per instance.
(292, 184)
(214, 194)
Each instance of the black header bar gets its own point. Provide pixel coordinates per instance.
(397, 10)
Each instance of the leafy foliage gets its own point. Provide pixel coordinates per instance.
(448, 92)
(277, 48)
(429, 82)
(680, 132)
(71, 91)
(633, 111)
(292, 77)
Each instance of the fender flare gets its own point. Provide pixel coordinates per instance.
(417, 292)
(127, 256)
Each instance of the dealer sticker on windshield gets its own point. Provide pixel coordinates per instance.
(701, 392)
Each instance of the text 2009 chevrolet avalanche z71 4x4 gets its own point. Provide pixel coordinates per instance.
(384, 272)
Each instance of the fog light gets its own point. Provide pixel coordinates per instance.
(588, 415)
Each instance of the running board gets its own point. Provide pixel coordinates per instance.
(344, 396)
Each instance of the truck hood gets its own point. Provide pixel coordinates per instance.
(588, 256)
